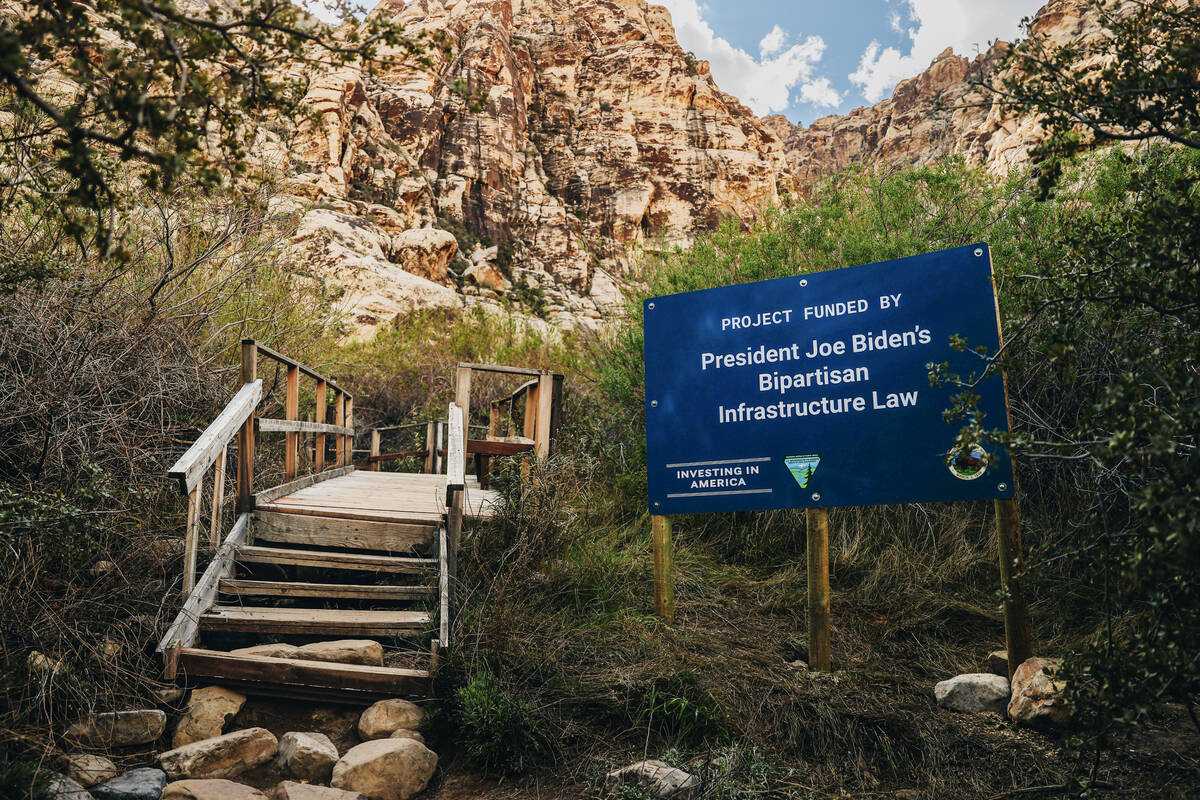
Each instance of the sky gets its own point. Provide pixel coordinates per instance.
(807, 59)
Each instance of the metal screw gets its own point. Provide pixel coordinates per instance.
(654, 404)
(1002, 487)
(978, 253)
(657, 504)
(816, 496)
(804, 281)
(650, 306)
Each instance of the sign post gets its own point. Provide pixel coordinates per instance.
(813, 392)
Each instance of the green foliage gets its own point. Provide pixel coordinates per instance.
(22, 780)
(681, 710)
(497, 730)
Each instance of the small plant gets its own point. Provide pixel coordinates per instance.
(681, 710)
(22, 779)
(496, 728)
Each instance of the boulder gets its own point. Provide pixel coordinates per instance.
(307, 756)
(997, 662)
(290, 790)
(208, 712)
(60, 787)
(404, 733)
(275, 650)
(426, 252)
(118, 728)
(972, 693)
(388, 716)
(485, 276)
(662, 780)
(222, 756)
(169, 695)
(210, 789)
(386, 769)
(1037, 699)
(88, 770)
(343, 651)
(145, 783)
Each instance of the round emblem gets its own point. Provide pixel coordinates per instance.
(969, 465)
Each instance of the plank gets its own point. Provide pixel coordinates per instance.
(293, 426)
(497, 448)
(248, 554)
(338, 512)
(287, 676)
(443, 592)
(456, 466)
(291, 362)
(313, 621)
(292, 412)
(501, 368)
(346, 591)
(284, 489)
(272, 526)
(192, 465)
(185, 628)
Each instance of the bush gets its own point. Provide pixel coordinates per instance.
(497, 730)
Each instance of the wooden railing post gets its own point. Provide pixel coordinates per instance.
(545, 415)
(374, 465)
(319, 439)
(531, 407)
(218, 497)
(348, 439)
(439, 445)
(339, 419)
(462, 396)
(191, 539)
(1018, 631)
(291, 411)
(818, 589)
(245, 473)
(664, 567)
(430, 452)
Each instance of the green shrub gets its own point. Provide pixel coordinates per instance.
(497, 730)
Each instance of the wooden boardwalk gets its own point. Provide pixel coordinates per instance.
(340, 554)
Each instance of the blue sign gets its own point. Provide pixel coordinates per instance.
(813, 391)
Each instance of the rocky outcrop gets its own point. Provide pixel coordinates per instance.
(386, 769)
(942, 112)
(209, 710)
(567, 134)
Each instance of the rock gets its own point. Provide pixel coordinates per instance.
(387, 769)
(222, 756)
(210, 789)
(344, 651)
(118, 728)
(101, 568)
(405, 733)
(997, 662)
(387, 716)
(660, 779)
(44, 668)
(289, 790)
(88, 770)
(488, 277)
(170, 695)
(426, 252)
(60, 787)
(974, 692)
(209, 710)
(307, 756)
(145, 783)
(1037, 699)
(799, 665)
(110, 648)
(277, 650)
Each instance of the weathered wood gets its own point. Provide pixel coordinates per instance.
(245, 475)
(290, 427)
(456, 466)
(329, 532)
(1018, 631)
(819, 655)
(531, 407)
(185, 628)
(454, 519)
(288, 361)
(192, 465)
(443, 590)
(268, 495)
(500, 368)
(343, 591)
(291, 412)
(556, 413)
(439, 466)
(319, 418)
(374, 459)
(664, 567)
(545, 414)
(191, 541)
(462, 395)
(430, 455)
(218, 499)
(348, 439)
(342, 512)
(497, 448)
(325, 559)
(291, 676)
(339, 416)
(313, 621)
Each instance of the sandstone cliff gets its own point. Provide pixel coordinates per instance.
(549, 142)
(939, 113)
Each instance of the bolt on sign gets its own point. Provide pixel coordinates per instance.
(813, 391)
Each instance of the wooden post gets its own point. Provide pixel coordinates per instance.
(374, 450)
(430, 452)
(818, 589)
(1018, 631)
(439, 439)
(462, 396)
(664, 567)
(218, 497)
(291, 411)
(349, 423)
(319, 439)
(545, 415)
(531, 407)
(339, 419)
(494, 421)
(191, 539)
(245, 473)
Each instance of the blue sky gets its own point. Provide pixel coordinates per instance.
(809, 58)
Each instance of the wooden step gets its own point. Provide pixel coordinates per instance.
(273, 526)
(344, 591)
(325, 559)
(310, 680)
(332, 509)
(313, 621)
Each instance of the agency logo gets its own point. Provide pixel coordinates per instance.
(967, 465)
(802, 468)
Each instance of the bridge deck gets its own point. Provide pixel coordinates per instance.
(383, 497)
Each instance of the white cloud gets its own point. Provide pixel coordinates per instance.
(966, 25)
(765, 83)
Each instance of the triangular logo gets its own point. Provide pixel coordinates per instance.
(802, 468)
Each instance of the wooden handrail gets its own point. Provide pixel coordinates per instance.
(279, 357)
(456, 450)
(266, 425)
(192, 465)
